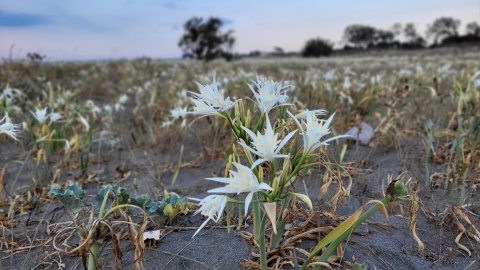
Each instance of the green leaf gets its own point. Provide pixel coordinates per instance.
(71, 196)
(123, 196)
(336, 233)
(276, 238)
(141, 201)
(117, 193)
(174, 202)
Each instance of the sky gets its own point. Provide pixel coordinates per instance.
(113, 29)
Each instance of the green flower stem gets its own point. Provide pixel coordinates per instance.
(262, 246)
(234, 128)
(272, 172)
(240, 218)
(298, 167)
(260, 122)
(257, 216)
(259, 221)
(94, 249)
(93, 256)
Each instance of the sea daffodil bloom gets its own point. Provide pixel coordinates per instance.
(212, 207)
(308, 114)
(269, 93)
(315, 130)
(211, 99)
(41, 115)
(7, 94)
(266, 146)
(8, 128)
(54, 117)
(178, 113)
(242, 180)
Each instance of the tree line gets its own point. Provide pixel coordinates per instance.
(204, 39)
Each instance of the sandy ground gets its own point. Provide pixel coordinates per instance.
(380, 247)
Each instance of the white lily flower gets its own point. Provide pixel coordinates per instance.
(178, 113)
(405, 73)
(329, 75)
(123, 99)
(346, 83)
(476, 83)
(308, 114)
(315, 130)
(107, 108)
(93, 108)
(212, 207)
(54, 117)
(60, 101)
(8, 95)
(211, 99)
(40, 115)
(118, 107)
(269, 93)
(267, 145)
(8, 128)
(242, 180)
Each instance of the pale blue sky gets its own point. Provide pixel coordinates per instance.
(93, 29)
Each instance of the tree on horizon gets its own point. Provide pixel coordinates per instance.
(203, 39)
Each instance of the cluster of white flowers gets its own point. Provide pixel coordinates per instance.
(266, 146)
(241, 181)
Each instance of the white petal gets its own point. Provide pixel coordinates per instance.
(337, 137)
(224, 180)
(250, 133)
(295, 120)
(226, 189)
(285, 140)
(269, 125)
(221, 209)
(201, 227)
(248, 199)
(264, 186)
(329, 120)
(250, 149)
(258, 162)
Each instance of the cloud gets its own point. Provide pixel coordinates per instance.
(11, 19)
